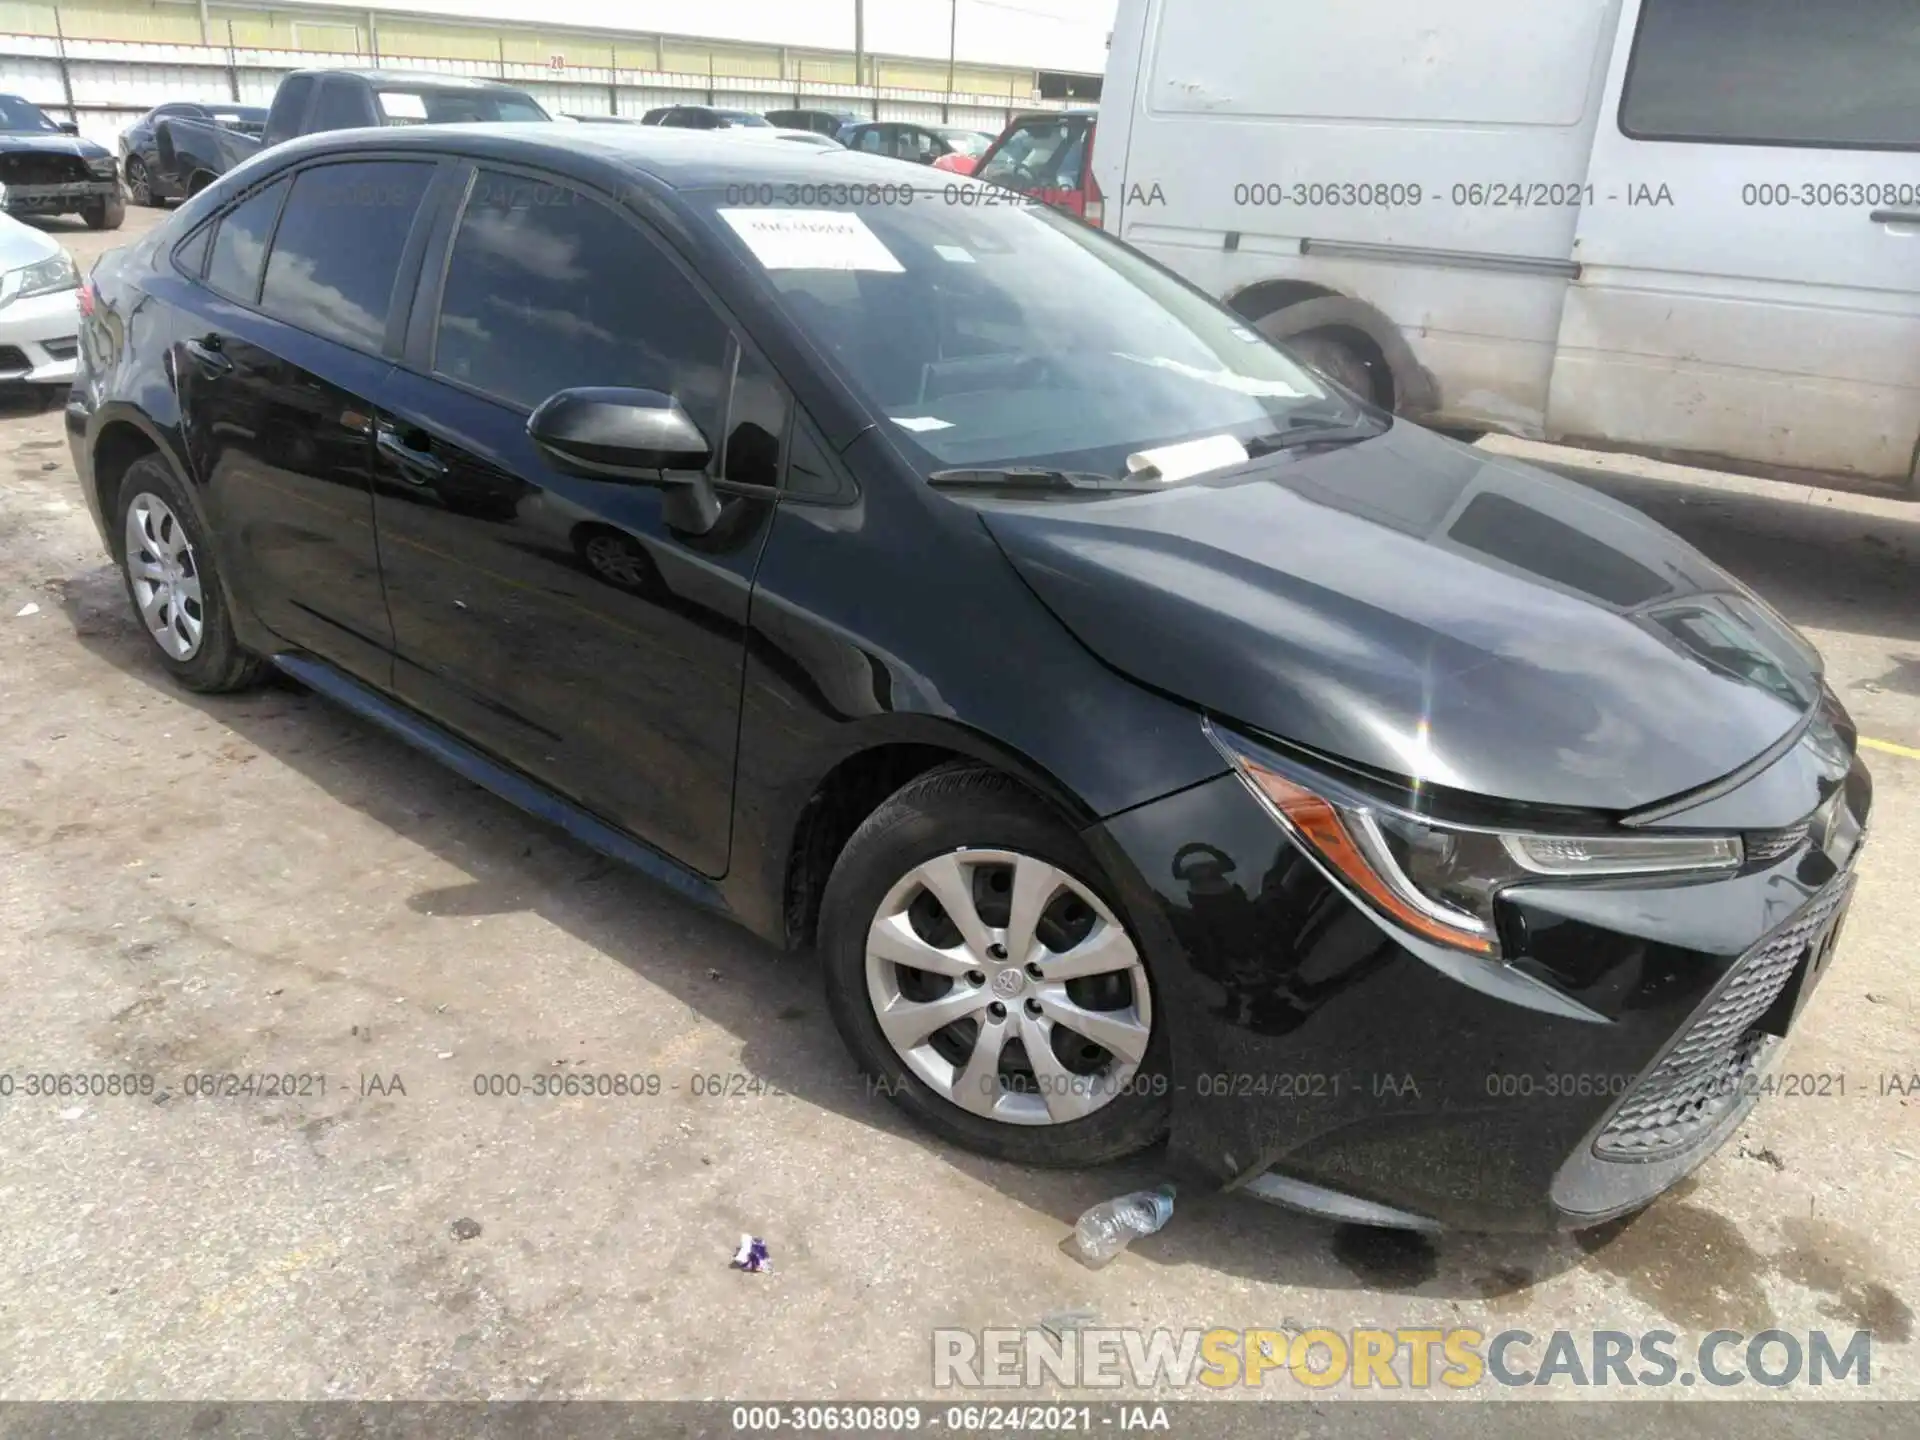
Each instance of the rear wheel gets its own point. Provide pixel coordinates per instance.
(170, 574)
(1337, 360)
(105, 213)
(977, 968)
(139, 182)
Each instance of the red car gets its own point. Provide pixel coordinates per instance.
(1048, 155)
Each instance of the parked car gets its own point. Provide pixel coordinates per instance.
(39, 317)
(1133, 722)
(1050, 157)
(139, 156)
(1687, 228)
(702, 117)
(758, 132)
(923, 144)
(821, 122)
(47, 169)
(190, 155)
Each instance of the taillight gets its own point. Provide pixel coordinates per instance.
(87, 298)
(1096, 213)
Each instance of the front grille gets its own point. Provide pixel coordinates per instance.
(1705, 1076)
(1772, 844)
(28, 168)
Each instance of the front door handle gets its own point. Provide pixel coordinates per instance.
(206, 354)
(417, 466)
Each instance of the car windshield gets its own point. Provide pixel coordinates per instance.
(17, 117)
(742, 117)
(967, 142)
(1005, 335)
(456, 107)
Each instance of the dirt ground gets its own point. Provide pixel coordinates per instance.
(265, 885)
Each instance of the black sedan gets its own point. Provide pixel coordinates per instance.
(1152, 740)
(149, 182)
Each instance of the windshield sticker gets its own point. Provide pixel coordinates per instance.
(959, 254)
(399, 105)
(921, 422)
(811, 240)
(1192, 457)
(1224, 379)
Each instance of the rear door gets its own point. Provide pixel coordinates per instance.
(277, 384)
(565, 624)
(1750, 251)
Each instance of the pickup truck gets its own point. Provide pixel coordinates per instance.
(190, 155)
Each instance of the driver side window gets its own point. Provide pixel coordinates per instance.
(549, 288)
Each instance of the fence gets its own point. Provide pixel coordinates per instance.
(102, 85)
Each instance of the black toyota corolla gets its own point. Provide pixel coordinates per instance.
(1151, 739)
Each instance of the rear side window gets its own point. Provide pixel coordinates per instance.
(337, 252)
(342, 106)
(547, 288)
(1776, 72)
(240, 244)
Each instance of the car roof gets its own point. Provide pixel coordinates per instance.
(676, 159)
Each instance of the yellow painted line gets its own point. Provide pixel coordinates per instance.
(1890, 748)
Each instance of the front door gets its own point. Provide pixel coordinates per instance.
(564, 624)
(1750, 242)
(277, 376)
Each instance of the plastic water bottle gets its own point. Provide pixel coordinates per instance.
(1112, 1225)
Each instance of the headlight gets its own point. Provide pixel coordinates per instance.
(103, 166)
(1440, 880)
(42, 278)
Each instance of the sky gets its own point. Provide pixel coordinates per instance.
(1044, 34)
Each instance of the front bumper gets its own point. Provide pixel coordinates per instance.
(40, 339)
(1322, 1060)
(64, 197)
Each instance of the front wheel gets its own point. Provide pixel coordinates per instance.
(106, 213)
(977, 967)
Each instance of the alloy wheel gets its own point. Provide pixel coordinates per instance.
(139, 187)
(1008, 987)
(164, 576)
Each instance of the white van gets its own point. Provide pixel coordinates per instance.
(1688, 228)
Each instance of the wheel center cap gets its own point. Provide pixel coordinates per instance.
(1009, 982)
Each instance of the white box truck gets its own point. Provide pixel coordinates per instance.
(1686, 228)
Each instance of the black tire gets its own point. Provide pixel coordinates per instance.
(139, 183)
(219, 664)
(946, 810)
(1337, 360)
(106, 213)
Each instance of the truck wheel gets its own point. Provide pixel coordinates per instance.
(139, 182)
(1337, 360)
(105, 213)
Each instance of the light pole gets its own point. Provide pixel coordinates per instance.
(953, 31)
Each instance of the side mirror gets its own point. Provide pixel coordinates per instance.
(69, 127)
(640, 437)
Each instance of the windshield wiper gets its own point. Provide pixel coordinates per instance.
(1034, 477)
(1317, 427)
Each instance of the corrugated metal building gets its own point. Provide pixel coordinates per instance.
(102, 62)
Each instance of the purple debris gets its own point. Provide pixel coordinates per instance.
(752, 1255)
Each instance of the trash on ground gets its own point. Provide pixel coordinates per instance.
(752, 1255)
(464, 1229)
(25, 610)
(1112, 1225)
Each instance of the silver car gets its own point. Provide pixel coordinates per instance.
(39, 309)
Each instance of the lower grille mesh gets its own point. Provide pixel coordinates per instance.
(1703, 1077)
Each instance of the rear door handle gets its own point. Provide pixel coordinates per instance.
(417, 466)
(206, 353)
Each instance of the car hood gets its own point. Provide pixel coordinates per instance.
(14, 142)
(1420, 607)
(22, 245)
